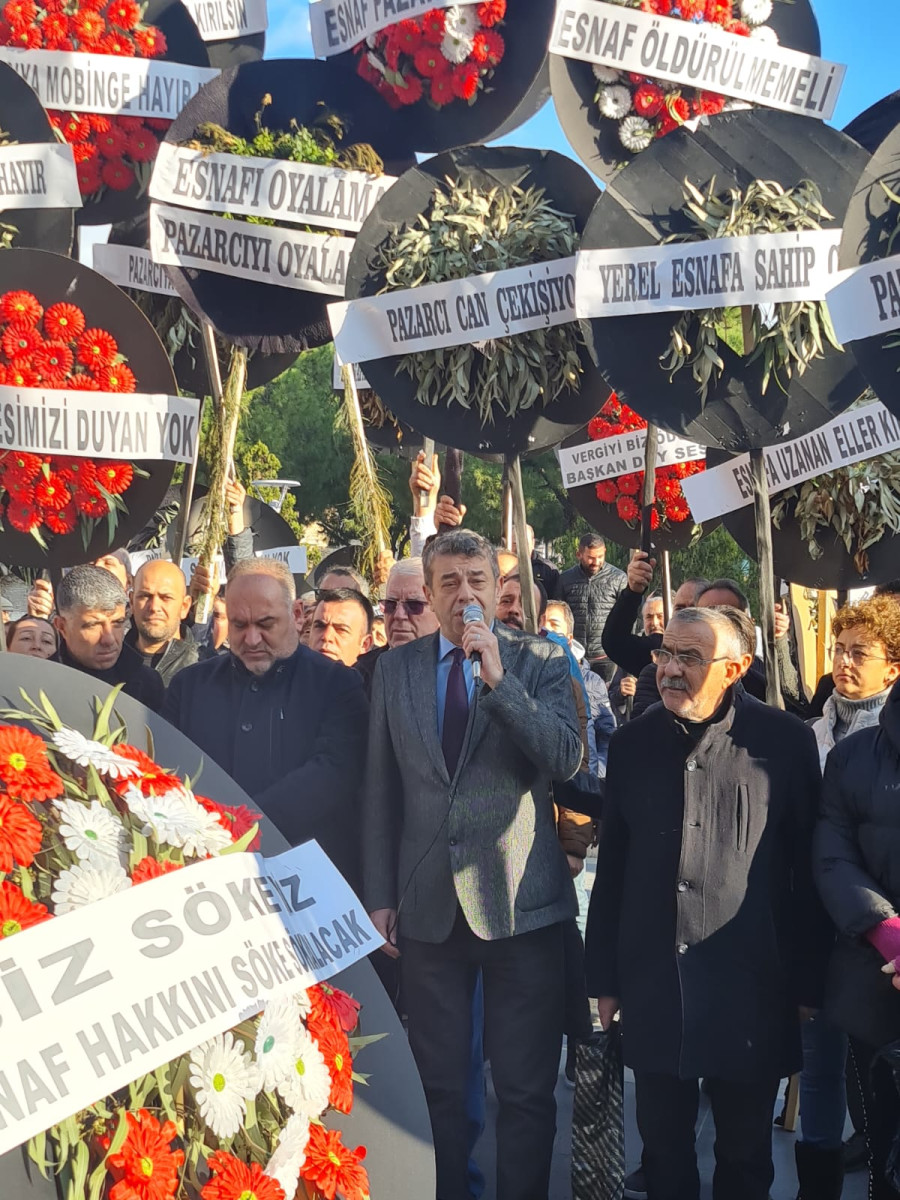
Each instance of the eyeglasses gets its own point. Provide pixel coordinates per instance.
(662, 658)
(415, 608)
(857, 656)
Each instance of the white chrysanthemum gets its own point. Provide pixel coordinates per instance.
(614, 101)
(756, 12)
(276, 1041)
(462, 22)
(636, 133)
(224, 1079)
(92, 832)
(175, 817)
(606, 74)
(86, 752)
(307, 1086)
(289, 1156)
(456, 49)
(765, 33)
(84, 884)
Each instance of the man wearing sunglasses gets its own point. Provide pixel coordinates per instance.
(408, 615)
(704, 923)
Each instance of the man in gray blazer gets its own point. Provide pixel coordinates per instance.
(462, 867)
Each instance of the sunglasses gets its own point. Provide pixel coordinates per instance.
(415, 608)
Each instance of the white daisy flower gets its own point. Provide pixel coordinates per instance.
(636, 133)
(224, 1079)
(606, 74)
(456, 49)
(92, 832)
(84, 884)
(175, 817)
(307, 1086)
(86, 752)
(756, 12)
(289, 1155)
(614, 101)
(765, 33)
(462, 22)
(276, 1041)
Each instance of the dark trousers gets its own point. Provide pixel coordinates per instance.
(881, 1115)
(666, 1117)
(524, 1001)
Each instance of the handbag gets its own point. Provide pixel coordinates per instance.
(598, 1118)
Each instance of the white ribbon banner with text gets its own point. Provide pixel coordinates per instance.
(132, 267)
(219, 20)
(460, 311)
(766, 268)
(850, 438)
(99, 424)
(107, 83)
(610, 457)
(698, 55)
(38, 175)
(339, 25)
(266, 187)
(107, 993)
(867, 301)
(310, 262)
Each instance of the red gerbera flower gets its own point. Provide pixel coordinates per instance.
(152, 781)
(25, 770)
(491, 12)
(152, 868)
(89, 180)
(494, 47)
(115, 477)
(332, 1167)
(336, 1052)
(21, 374)
(124, 13)
(22, 515)
(662, 8)
(117, 378)
(112, 143)
(648, 100)
(150, 43)
(97, 348)
(117, 174)
(236, 819)
(99, 123)
(631, 484)
(91, 504)
(627, 508)
(146, 1167)
(20, 830)
(442, 87)
(63, 521)
(677, 509)
(55, 27)
(19, 339)
(25, 37)
(428, 60)
(741, 28)
(83, 382)
(236, 1180)
(21, 307)
(51, 492)
(64, 322)
(17, 912)
(654, 518)
(465, 80)
(708, 104)
(75, 128)
(20, 12)
(142, 146)
(19, 467)
(691, 9)
(433, 26)
(89, 27)
(606, 492)
(79, 472)
(117, 44)
(407, 35)
(53, 362)
(411, 91)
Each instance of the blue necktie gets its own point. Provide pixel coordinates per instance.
(456, 712)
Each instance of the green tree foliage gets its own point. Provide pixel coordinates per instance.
(257, 461)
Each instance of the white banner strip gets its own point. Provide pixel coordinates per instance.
(767, 268)
(105, 994)
(99, 424)
(105, 83)
(132, 267)
(266, 187)
(867, 301)
(610, 457)
(219, 20)
(337, 379)
(475, 309)
(702, 56)
(38, 175)
(338, 25)
(852, 437)
(309, 262)
(293, 557)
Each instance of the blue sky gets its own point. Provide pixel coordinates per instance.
(862, 35)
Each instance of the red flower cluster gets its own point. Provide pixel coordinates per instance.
(107, 148)
(443, 56)
(333, 1168)
(53, 349)
(625, 491)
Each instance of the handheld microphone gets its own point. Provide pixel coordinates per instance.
(472, 613)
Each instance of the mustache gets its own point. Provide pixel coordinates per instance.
(677, 685)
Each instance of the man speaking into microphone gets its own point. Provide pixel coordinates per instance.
(462, 867)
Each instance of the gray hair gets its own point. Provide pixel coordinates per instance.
(737, 627)
(345, 573)
(411, 567)
(568, 615)
(651, 596)
(271, 568)
(90, 587)
(459, 542)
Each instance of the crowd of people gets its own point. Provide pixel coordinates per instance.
(744, 921)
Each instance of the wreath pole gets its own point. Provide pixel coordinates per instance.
(370, 502)
(667, 586)
(452, 485)
(506, 512)
(763, 517)
(428, 451)
(651, 448)
(520, 524)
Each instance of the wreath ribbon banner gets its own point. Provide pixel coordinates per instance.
(132, 267)
(867, 301)
(765, 268)
(178, 960)
(701, 55)
(608, 458)
(105, 83)
(339, 25)
(38, 175)
(219, 20)
(99, 424)
(862, 433)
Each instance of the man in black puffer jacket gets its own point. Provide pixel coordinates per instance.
(590, 589)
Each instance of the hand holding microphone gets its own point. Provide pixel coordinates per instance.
(481, 646)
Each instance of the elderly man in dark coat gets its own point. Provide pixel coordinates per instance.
(704, 923)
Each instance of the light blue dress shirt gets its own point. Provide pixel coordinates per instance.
(445, 662)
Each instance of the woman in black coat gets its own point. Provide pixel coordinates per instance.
(857, 867)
